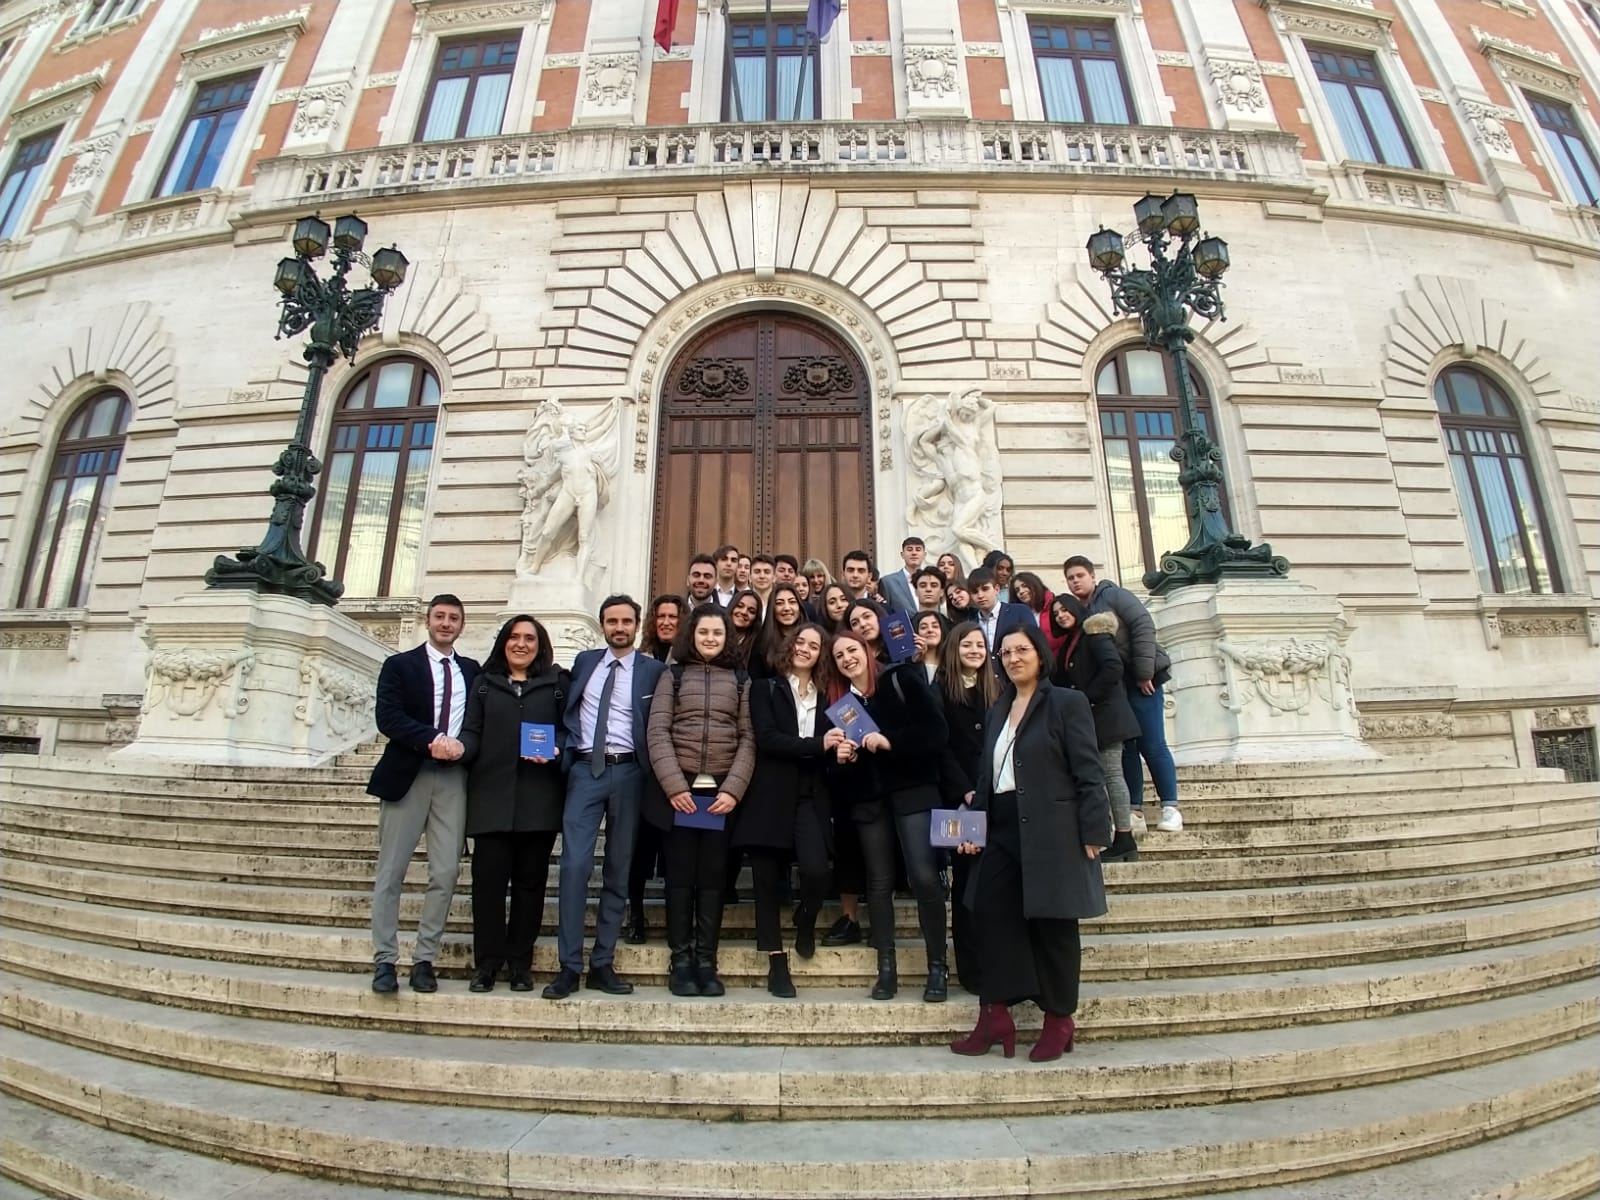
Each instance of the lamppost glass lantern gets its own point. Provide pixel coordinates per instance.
(1105, 249)
(1149, 214)
(389, 268)
(1211, 257)
(310, 237)
(349, 232)
(290, 271)
(1182, 214)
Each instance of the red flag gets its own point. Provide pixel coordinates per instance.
(666, 18)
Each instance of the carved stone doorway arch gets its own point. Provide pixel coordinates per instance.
(765, 442)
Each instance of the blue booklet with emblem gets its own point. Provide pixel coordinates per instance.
(950, 827)
(850, 714)
(898, 638)
(538, 741)
(701, 818)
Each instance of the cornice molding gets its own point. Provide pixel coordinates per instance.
(1521, 64)
(52, 105)
(242, 44)
(451, 16)
(1356, 21)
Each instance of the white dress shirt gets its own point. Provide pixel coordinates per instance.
(458, 691)
(1005, 774)
(619, 724)
(805, 708)
(724, 598)
(987, 622)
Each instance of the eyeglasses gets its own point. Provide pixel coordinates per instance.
(1016, 652)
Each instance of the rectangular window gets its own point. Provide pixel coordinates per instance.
(21, 177)
(772, 71)
(470, 85)
(103, 12)
(1081, 77)
(1573, 156)
(1368, 123)
(216, 112)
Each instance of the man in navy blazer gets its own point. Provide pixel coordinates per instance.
(608, 768)
(422, 698)
(995, 617)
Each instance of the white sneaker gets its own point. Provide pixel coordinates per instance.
(1171, 819)
(1139, 828)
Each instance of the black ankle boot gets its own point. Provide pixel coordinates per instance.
(680, 941)
(1122, 849)
(708, 931)
(778, 981)
(888, 978)
(637, 930)
(938, 986)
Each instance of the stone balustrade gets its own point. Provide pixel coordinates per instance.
(814, 147)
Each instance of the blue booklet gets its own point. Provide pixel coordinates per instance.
(850, 714)
(538, 741)
(898, 638)
(701, 818)
(950, 827)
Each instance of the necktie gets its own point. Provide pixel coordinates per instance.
(597, 752)
(988, 629)
(444, 697)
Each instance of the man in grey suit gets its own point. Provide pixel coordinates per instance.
(607, 772)
(898, 587)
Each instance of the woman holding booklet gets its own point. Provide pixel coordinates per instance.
(512, 740)
(887, 773)
(1040, 781)
(702, 752)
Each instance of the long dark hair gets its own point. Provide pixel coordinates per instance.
(648, 643)
(1038, 594)
(772, 636)
(880, 651)
(823, 618)
(543, 659)
(745, 641)
(838, 685)
(822, 675)
(685, 651)
(951, 669)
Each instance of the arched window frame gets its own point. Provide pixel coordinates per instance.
(1123, 403)
(1453, 427)
(336, 501)
(78, 455)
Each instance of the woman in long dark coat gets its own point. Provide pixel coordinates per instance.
(1040, 782)
(786, 814)
(513, 803)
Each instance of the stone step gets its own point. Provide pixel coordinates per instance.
(1105, 955)
(1153, 873)
(1138, 1008)
(352, 908)
(1300, 836)
(501, 1151)
(803, 1083)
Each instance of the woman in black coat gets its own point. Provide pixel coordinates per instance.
(967, 685)
(1088, 661)
(891, 782)
(786, 813)
(1041, 783)
(513, 803)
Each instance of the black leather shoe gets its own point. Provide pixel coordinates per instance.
(384, 981)
(888, 981)
(805, 932)
(779, 982)
(845, 932)
(606, 979)
(423, 978)
(938, 986)
(637, 931)
(562, 986)
(522, 980)
(482, 981)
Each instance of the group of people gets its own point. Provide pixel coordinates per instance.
(700, 736)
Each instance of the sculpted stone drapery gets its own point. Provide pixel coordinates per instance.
(955, 472)
(565, 481)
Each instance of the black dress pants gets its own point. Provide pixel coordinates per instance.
(964, 925)
(1022, 958)
(696, 858)
(646, 857)
(768, 866)
(878, 838)
(522, 862)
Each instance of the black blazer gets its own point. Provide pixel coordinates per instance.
(963, 747)
(404, 714)
(786, 763)
(507, 793)
(909, 714)
(1092, 665)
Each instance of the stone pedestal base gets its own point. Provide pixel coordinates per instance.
(1259, 673)
(245, 679)
(561, 606)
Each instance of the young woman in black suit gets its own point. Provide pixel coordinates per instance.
(787, 815)
(513, 803)
(966, 683)
(891, 782)
(929, 627)
(785, 614)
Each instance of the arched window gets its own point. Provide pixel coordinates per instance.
(375, 481)
(77, 498)
(1137, 394)
(1500, 504)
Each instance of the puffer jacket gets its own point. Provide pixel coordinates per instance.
(701, 724)
(1142, 658)
(1088, 662)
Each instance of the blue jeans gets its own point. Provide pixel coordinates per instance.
(615, 797)
(1151, 745)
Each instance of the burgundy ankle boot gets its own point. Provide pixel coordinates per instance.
(1054, 1040)
(994, 1025)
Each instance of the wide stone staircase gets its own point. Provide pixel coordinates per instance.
(1356, 981)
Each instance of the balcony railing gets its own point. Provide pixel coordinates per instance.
(815, 147)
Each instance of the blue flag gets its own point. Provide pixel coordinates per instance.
(820, 16)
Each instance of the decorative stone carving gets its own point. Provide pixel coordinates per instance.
(120, 731)
(1561, 625)
(93, 157)
(611, 79)
(1523, 65)
(186, 681)
(18, 726)
(1407, 727)
(714, 378)
(1567, 716)
(331, 693)
(983, 49)
(565, 481)
(58, 103)
(1238, 84)
(263, 40)
(869, 49)
(1318, 24)
(931, 72)
(1489, 127)
(387, 79)
(435, 17)
(318, 109)
(562, 62)
(1173, 58)
(955, 472)
(33, 639)
(1301, 375)
(1285, 676)
(818, 377)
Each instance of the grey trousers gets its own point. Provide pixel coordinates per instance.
(1116, 787)
(614, 799)
(435, 805)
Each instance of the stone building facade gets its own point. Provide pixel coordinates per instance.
(664, 274)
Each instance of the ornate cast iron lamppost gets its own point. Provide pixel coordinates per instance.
(337, 318)
(1185, 274)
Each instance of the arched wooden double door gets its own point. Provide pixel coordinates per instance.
(764, 443)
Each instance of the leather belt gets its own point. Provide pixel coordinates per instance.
(612, 760)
